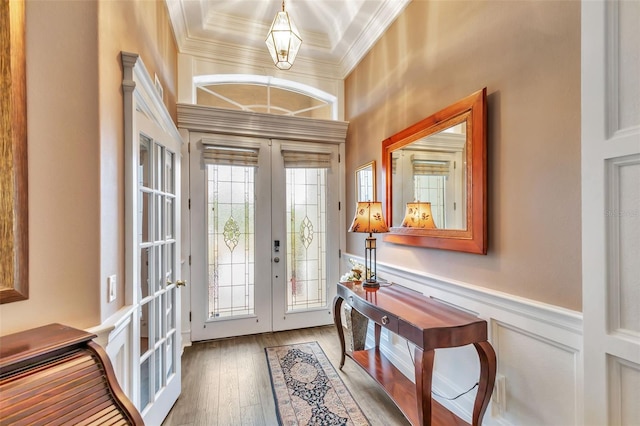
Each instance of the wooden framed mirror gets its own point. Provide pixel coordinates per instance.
(435, 175)
(366, 182)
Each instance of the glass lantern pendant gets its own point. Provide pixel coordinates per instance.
(283, 40)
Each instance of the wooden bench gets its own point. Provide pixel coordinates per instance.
(56, 375)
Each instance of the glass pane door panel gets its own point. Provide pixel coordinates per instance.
(158, 319)
(143, 164)
(306, 213)
(169, 217)
(158, 169)
(169, 356)
(145, 385)
(144, 328)
(145, 272)
(171, 298)
(157, 368)
(169, 185)
(231, 240)
(159, 261)
(159, 208)
(144, 216)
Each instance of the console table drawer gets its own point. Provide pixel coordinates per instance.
(381, 317)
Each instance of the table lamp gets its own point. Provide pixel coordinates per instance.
(369, 220)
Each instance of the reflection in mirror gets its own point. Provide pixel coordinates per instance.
(436, 179)
(432, 169)
(366, 182)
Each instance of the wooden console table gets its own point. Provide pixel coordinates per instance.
(429, 325)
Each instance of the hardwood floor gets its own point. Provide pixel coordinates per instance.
(226, 382)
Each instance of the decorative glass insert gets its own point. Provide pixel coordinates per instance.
(432, 189)
(231, 240)
(306, 210)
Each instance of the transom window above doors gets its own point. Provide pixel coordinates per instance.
(264, 94)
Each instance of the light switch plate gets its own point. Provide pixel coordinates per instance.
(111, 288)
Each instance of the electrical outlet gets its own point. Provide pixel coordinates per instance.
(500, 394)
(111, 288)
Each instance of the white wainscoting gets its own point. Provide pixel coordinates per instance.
(115, 336)
(538, 346)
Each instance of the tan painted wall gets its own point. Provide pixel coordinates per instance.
(527, 54)
(76, 151)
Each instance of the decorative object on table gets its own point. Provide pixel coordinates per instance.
(308, 389)
(369, 219)
(283, 40)
(357, 273)
(356, 325)
(418, 216)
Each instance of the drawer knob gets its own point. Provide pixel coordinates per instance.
(385, 320)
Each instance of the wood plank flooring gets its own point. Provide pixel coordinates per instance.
(226, 382)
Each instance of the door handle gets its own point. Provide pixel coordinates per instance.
(181, 283)
(276, 259)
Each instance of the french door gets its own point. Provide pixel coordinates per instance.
(264, 235)
(157, 348)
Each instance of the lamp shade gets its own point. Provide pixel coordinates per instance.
(418, 215)
(283, 40)
(369, 218)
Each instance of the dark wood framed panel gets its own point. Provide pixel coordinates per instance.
(14, 238)
(451, 144)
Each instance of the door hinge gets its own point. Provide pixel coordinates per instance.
(339, 205)
(189, 203)
(340, 254)
(189, 316)
(189, 260)
(189, 147)
(454, 206)
(454, 165)
(338, 158)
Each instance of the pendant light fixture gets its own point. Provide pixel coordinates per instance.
(283, 40)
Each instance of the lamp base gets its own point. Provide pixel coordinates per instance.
(371, 284)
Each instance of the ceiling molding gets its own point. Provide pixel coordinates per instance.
(204, 30)
(372, 32)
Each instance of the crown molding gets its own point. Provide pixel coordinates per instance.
(367, 38)
(196, 118)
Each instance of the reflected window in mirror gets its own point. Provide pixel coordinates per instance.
(366, 182)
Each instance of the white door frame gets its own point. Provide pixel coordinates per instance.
(610, 211)
(197, 122)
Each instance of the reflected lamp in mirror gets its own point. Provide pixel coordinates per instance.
(369, 220)
(418, 215)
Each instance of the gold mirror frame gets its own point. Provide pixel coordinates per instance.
(360, 171)
(14, 239)
(473, 239)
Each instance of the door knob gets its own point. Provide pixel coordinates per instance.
(181, 283)
(276, 259)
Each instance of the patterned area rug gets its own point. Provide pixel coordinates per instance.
(307, 389)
